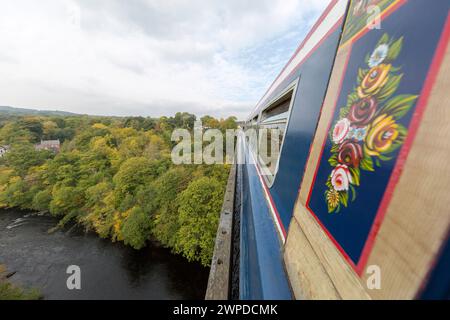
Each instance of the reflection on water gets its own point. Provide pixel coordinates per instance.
(108, 271)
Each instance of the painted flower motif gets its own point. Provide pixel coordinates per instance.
(381, 135)
(363, 111)
(333, 198)
(359, 134)
(375, 79)
(379, 55)
(350, 154)
(369, 127)
(341, 130)
(341, 178)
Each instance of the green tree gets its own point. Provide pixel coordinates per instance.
(66, 201)
(169, 186)
(23, 156)
(42, 199)
(136, 228)
(15, 193)
(199, 210)
(115, 177)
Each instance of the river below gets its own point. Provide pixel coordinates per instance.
(108, 270)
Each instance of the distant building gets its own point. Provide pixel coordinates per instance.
(3, 150)
(51, 145)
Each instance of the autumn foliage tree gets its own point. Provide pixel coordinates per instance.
(115, 177)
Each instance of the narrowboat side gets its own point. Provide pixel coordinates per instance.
(355, 205)
(268, 204)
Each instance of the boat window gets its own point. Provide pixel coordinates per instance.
(272, 129)
(251, 133)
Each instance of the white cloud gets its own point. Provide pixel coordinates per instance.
(147, 57)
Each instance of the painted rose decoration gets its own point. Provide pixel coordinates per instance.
(367, 131)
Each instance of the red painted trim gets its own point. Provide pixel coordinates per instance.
(266, 191)
(308, 36)
(271, 202)
(413, 128)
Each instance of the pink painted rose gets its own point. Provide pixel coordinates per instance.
(341, 130)
(341, 178)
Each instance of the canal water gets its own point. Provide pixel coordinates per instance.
(108, 270)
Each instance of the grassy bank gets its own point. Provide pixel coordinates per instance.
(9, 291)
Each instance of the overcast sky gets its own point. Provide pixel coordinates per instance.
(147, 57)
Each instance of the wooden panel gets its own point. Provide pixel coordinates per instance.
(219, 275)
(418, 218)
(301, 262)
(324, 261)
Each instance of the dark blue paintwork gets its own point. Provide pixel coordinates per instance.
(262, 274)
(351, 226)
(314, 76)
(438, 286)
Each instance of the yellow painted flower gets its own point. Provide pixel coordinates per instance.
(381, 135)
(374, 80)
(333, 198)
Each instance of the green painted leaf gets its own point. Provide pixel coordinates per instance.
(402, 130)
(344, 198)
(399, 106)
(390, 87)
(384, 158)
(352, 188)
(352, 98)
(333, 161)
(367, 164)
(395, 49)
(328, 183)
(377, 162)
(355, 172)
(344, 112)
(335, 148)
(384, 40)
